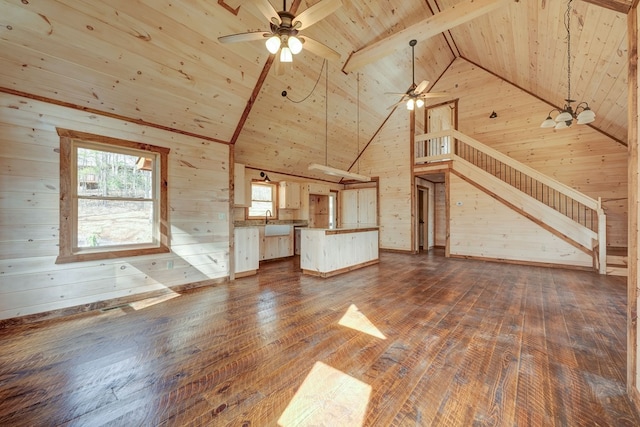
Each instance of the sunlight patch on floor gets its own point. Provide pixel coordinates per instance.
(139, 305)
(327, 397)
(354, 319)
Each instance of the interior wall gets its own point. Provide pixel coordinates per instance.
(579, 157)
(483, 227)
(388, 157)
(31, 282)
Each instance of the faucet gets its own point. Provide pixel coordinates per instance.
(267, 214)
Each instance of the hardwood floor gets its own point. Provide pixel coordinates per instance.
(437, 342)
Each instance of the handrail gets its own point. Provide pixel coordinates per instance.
(556, 185)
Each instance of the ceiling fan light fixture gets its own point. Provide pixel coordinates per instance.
(285, 55)
(561, 125)
(411, 104)
(273, 44)
(419, 103)
(294, 44)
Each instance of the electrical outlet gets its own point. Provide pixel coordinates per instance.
(222, 216)
(169, 265)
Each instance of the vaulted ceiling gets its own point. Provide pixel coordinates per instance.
(159, 62)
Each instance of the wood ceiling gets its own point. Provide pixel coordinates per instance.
(159, 61)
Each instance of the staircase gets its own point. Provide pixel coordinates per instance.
(567, 213)
(617, 261)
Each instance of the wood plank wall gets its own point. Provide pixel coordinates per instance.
(388, 157)
(482, 227)
(580, 156)
(31, 282)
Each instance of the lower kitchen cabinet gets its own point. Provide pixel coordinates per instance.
(246, 250)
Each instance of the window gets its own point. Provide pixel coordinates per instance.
(113, 197)
(263, 197)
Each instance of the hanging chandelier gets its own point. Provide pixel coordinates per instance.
(582, 113)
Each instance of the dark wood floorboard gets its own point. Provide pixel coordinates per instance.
(466, 343)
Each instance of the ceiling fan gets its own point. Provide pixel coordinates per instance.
(415, 96)
(285, 27)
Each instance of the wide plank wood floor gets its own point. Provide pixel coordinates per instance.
(428, 341)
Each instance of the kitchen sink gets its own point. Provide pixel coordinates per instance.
(277, 229)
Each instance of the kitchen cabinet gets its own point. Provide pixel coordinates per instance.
(358, 208)
(246, 250)
(319, 189)
(272, 247)
(289, 195)
(241, 187)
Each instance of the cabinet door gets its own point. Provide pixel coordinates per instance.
(246, 249)
(241, 195)
(289, 197)
(367, 207)
(349, 208)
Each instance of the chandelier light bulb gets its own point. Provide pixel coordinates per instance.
(564, 116)
(273, 44)
(548, 123)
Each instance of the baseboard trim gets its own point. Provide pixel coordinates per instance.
(518, 262)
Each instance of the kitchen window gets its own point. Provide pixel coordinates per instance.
(263, 201)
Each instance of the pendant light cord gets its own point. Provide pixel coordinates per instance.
(324, 64)
(326, 118)
(567, 23)
(358, 120)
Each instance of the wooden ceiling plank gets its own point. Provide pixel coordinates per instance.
(458, 14)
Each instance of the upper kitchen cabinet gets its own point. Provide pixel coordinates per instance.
(289, 195)
(242, 187)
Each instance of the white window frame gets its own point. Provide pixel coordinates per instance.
(274, 200)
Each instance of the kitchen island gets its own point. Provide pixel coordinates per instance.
(326, 252)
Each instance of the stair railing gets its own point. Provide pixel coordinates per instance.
(588, 212)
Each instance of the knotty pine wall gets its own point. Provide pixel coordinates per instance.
(388, 157)
(580, 156)
(31, 282)
(482, 227)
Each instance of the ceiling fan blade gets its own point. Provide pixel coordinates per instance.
(267, 10)
(317, 12)
(433, 95)
(244, 37)
(319, 49)
(395, 93)
(421, 87)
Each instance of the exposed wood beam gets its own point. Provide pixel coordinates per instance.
(462, 12)
(622, 6)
